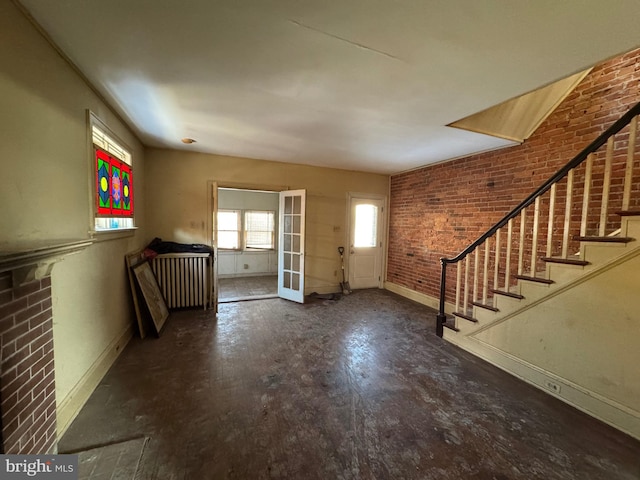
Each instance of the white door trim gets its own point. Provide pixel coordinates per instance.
(384, 232)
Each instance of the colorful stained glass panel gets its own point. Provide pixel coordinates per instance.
(114, 186)
(127, 199)
(103, 183)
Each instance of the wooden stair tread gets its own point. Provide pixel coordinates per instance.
(565, 261)
(605, 239)
(485, 306)
(508, 294)
(546, 281)
(465, 316)
(628, 213)
(451, 327)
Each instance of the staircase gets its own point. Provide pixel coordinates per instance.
(551, 293)
(595, 255)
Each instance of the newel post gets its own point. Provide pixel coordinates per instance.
(442, 318)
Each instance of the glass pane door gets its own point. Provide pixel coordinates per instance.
(291, 251)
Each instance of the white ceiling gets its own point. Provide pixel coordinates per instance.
(365, 85)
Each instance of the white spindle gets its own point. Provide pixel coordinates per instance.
(567, 215)
(476, 270)
(485, 276)
(534, 237)
(523, 224)
(466, 284)
(552, 207)
(507, 270)
(628, 173)
(604, 209)
(586, 194)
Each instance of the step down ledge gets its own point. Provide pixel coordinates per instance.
(450, 326)
(465, 316)
(545, 281)
(508, 294)
(565, 261)
(605, 239)
(486, 307)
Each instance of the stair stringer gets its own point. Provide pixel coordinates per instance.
(589, 363)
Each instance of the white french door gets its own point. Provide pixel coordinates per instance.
(291, 245)
(366, 242)
(213, 216)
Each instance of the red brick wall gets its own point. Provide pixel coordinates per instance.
(27, 385)
(437, 211)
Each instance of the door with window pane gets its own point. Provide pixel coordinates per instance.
(291, 245)
(366, 243)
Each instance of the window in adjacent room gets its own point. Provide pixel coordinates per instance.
(229, 229)
(259, 229)
(113, 180)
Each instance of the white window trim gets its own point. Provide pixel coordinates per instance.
(108, 233)
(242, 231)
(239, 230)
(245, 231)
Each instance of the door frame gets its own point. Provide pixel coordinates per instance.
(212, 209)
(383, 229)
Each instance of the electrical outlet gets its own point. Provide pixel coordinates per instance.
(246, 266)
(554, 387)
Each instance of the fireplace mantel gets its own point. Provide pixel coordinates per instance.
(34, 261)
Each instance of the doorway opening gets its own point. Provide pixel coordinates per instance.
(247, 234)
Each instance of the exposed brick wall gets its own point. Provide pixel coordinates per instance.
(437, 211)
(27, 385)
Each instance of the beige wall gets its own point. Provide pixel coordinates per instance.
(586, 337)
(177, 197)
(45, 194)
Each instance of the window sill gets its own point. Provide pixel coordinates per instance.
(113, 234)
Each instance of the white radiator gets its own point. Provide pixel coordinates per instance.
(184, 278)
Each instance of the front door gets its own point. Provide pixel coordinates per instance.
(291, 245)
(366, 245)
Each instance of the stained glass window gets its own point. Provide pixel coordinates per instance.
(114, 186)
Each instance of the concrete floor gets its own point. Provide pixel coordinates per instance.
(358, 388)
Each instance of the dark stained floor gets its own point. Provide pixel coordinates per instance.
(358, 388)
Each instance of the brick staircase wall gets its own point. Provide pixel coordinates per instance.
(437, 211)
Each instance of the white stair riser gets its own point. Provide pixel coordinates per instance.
(596, 253)
(631, 227)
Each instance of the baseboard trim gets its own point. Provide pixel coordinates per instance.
(70, 406)
(604, 409)
(422, 298)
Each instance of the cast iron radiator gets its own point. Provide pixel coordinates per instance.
(184, 278)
